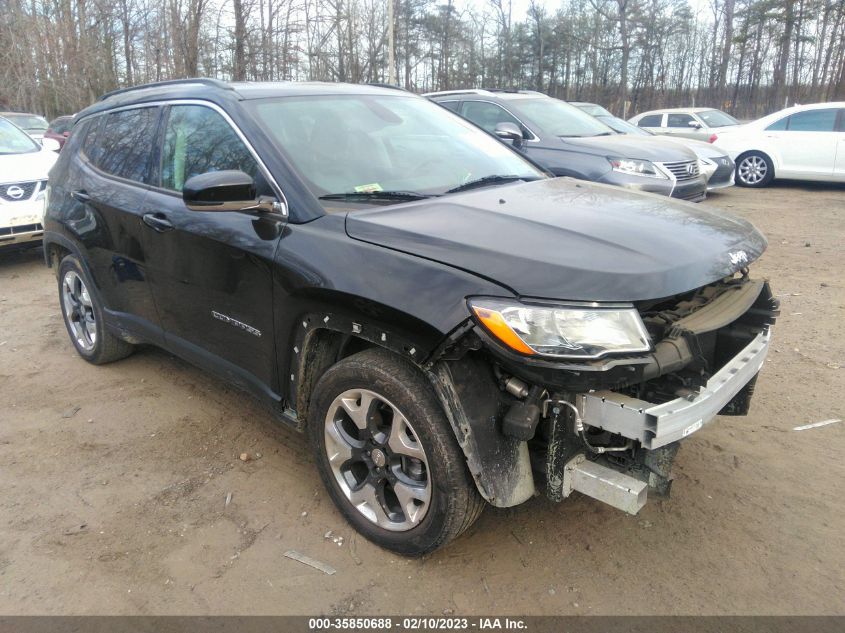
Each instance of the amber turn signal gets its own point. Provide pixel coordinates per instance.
(495, 324)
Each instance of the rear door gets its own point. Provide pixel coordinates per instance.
(807, 143)
(652, 123)
(109, 187)
(211, 272)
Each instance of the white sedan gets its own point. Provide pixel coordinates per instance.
(24, 164)
(803, 142)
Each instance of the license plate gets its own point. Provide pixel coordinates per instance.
(24, 219)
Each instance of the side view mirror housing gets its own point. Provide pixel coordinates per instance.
(228, 190)
(510, 132)
(695, 124)
(50, 144)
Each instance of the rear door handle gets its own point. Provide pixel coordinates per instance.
(158, 222)
(80, 195)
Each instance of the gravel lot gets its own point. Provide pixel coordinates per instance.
(114, 482)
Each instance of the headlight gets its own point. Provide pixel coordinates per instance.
(578, 331)
(634, 167)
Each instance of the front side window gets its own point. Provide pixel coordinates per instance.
(198, 140)
(676, 119)
(382, 143)
(813, 121)
(14, 140)
(779, 125)
(488, 115)
(124, 144)
(454, 106)
(60, 126)
(651, 120)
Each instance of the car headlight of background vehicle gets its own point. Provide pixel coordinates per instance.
(635, 167)
(576, 331)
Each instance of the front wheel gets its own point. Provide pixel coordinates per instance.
(754, 169)
(388, 456)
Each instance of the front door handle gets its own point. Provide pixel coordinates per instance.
(158, 222)
(80, 195)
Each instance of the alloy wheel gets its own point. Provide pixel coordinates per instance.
(752, 170)
(377, 460)
(79, 311)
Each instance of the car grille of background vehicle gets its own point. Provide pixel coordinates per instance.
(683, 170)
(28, 188)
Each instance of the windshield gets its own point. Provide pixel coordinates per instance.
(717, 118)
(556, 118)
(28, 122)
(14, 140)
(622, 126)
(366, 144)
(593, 109)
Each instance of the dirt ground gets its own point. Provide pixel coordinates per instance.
(119, 507)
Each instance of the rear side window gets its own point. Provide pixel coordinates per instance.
(198, 140)
(125, 143)
(678, 120)
(650, 120)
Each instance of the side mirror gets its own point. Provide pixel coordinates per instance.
(229, 190)
(510, 132)
(50, 144)
(695, 124)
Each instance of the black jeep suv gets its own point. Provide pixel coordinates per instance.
(449, 325)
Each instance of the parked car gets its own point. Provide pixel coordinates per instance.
(568, 142)
(24, 164)
(701, 124)
(715, 164)
(59, 129)
(803, 142)
(449, 325)
(32, 124)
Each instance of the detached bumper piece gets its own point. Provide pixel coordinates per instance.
(656, 425)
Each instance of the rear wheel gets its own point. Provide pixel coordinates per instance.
(388, 456)
(83, 316)
(754, 169)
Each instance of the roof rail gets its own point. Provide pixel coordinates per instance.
(381, 84)
(466, 91)
(214, 83)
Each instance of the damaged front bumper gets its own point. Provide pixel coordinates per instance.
(655, 425)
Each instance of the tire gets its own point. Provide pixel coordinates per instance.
(406, 445)
(83, 316)
(754, 169)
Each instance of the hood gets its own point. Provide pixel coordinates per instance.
(26, 167)
(566, 239)
(626, 146)
(701, 149)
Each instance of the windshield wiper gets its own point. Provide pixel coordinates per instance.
(489, 180)
(375, 195)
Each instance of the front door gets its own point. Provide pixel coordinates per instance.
(211, 272)
(808, 144)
